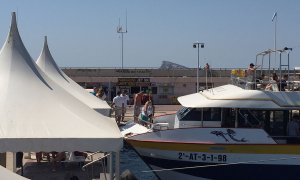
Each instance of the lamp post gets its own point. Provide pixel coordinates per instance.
(198, 45)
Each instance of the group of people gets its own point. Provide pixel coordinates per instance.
(141, 112)
(279, 84)
(120, 103)
(274, 84)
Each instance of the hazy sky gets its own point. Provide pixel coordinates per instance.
(83, 33)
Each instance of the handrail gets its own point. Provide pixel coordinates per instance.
(98, 159)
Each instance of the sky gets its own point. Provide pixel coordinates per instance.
(84, 33)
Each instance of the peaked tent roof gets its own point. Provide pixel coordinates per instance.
(38, 115)
(46, 62)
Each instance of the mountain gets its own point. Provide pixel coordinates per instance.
(171, 65)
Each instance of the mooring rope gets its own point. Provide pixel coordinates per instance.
(216, 165)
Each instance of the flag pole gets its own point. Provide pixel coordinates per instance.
(275, 33)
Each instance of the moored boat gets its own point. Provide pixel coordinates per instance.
(217, 153)
(240, 134)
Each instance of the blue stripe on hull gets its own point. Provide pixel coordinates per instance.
(241, 171)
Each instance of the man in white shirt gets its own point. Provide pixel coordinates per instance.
(118, 104)
(126, 101)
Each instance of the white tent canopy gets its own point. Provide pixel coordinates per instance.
(46, 62)
(7, 174)
(38, 115)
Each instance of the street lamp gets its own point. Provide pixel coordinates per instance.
(198, 45)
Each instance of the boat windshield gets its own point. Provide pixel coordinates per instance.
(196, 114)
(183, 112)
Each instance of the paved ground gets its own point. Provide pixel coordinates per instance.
(159, 110)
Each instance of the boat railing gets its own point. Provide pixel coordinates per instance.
(237, 79)
(242, 82)
(263, 83)
(284, 81)
(154, 126)
(264, 78)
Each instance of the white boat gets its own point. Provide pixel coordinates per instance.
(241, 134)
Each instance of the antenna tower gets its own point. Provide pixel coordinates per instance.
(120, 30)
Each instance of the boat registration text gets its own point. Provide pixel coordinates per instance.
(202, 157)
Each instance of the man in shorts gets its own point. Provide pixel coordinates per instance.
(126, 102)
(118, 104)
(137, 106)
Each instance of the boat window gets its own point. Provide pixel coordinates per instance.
(195, 114)
(274, 122)
(278, 123)
(192, 115)
(251, 118)
(182, 112)
(215, 114)
(228, 117)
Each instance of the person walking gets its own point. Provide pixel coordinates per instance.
(137, 106)
(126, 102)
(118, 105)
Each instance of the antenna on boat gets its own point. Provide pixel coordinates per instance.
(120, 30)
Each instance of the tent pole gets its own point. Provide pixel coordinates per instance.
(3, 159)
(117, 170)
(110, 165)
(14, 160)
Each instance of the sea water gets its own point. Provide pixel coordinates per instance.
(130, 160)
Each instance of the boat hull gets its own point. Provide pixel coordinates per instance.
(184, 154)
(212, 171)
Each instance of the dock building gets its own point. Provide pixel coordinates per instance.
(164, 85)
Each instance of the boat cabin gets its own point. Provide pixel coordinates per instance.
(235, 107)
(257, 100)
(272, 121)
